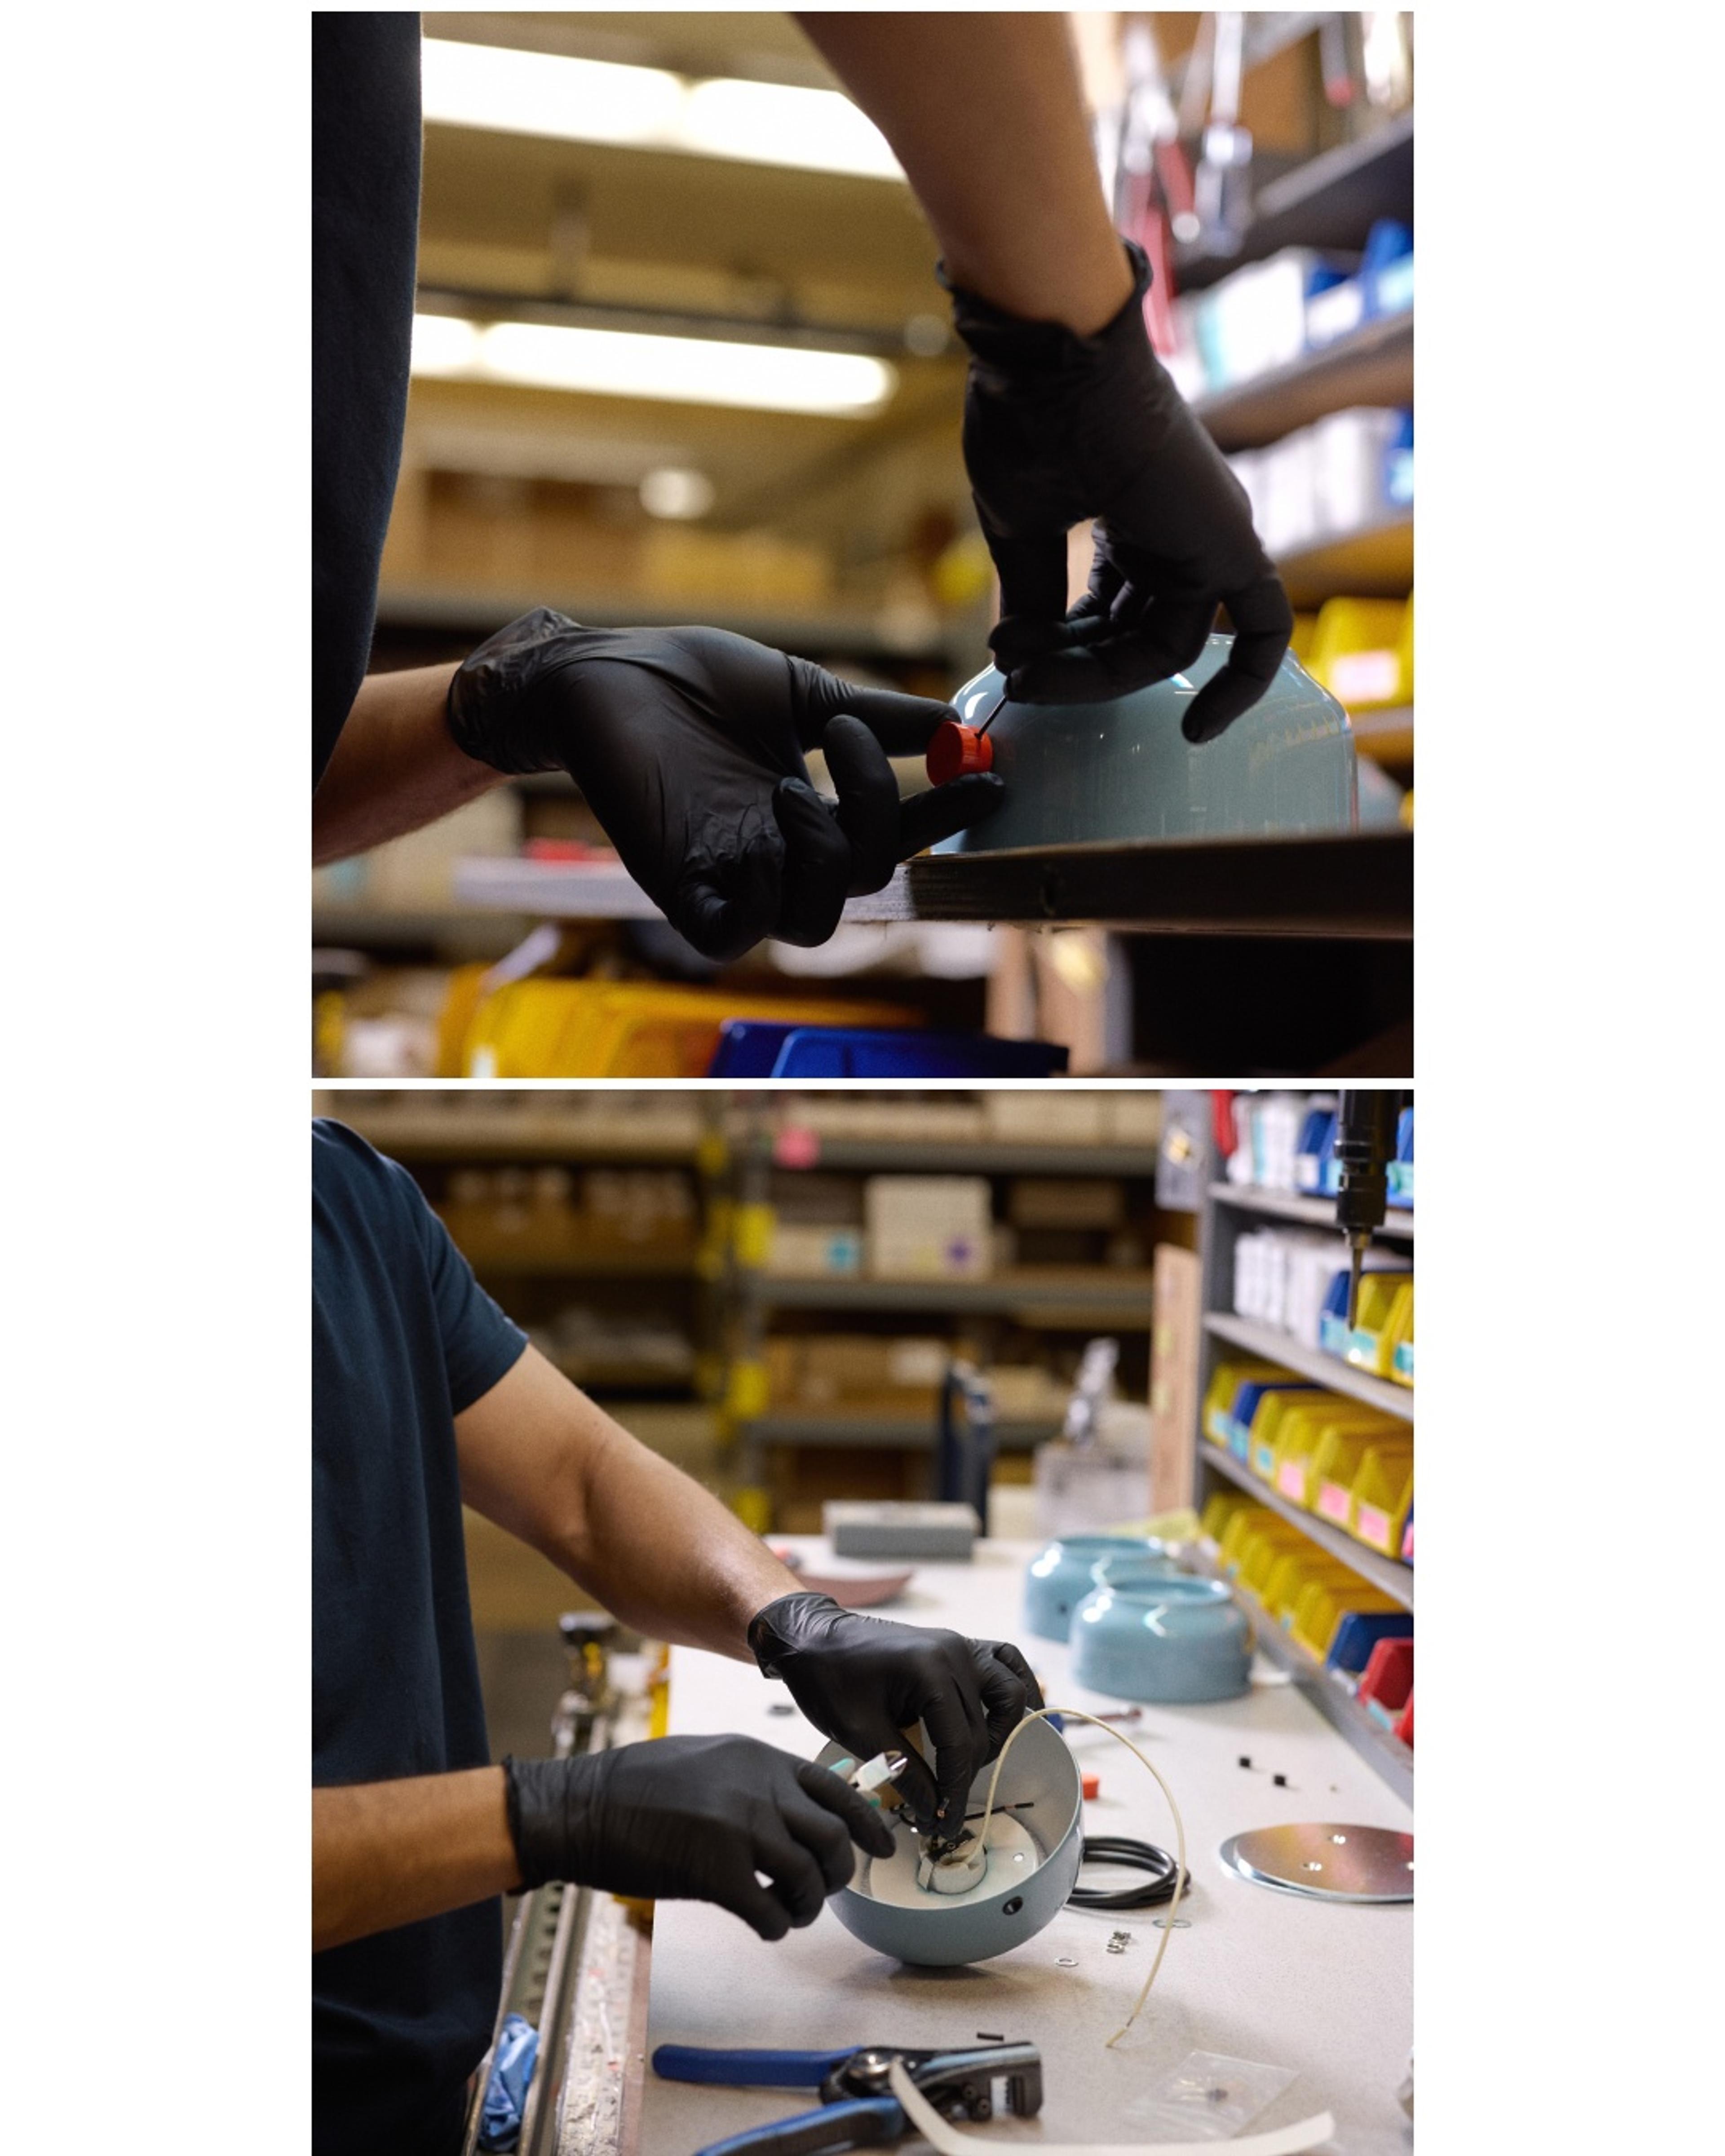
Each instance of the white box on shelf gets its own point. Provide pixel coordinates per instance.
(929, 1227)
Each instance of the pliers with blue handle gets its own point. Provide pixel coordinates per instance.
(857, 2108)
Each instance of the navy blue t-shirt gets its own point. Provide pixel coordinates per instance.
(365, 239)
(403, 1339)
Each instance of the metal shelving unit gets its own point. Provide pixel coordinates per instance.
(1394, 1578)
(887, 1431)
(1328, 1370)
(1230, 1210)
(1289, 1205)
(1084, 1288)
(1374, 365)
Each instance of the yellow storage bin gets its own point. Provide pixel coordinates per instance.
(1219, 1510)
(555, 1029)
(1242, 1525)
(1383, 1493)
(1225, 1381)
(1371, 1345)
(1302, 1431)
(1400, 1328)
(1336, 1467)
(1323, 1604)
(1361, 651)
(1294, 1571)
(1268, 1423)
(1259, 1548)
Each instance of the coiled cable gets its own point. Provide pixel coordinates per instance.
(1142, 1856)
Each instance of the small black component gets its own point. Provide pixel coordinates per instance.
(988, 2036)
(1280, 1780)
(1244, 1759)
(780, 1706)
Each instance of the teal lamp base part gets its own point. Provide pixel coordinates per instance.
(1123, 771)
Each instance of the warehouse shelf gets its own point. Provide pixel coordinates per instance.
(1390, 1575)
(475, 615)
(592, 1375)
(1327, 1370)
(1373, 366)
(1352, 886)
(910, 1432)
(1376, 560)
(1290, 1205)
(1380, 1747)
(385, 928)
(1024, 1288)
(1329, 201)
(429, 1136)
(610, 1265)
(885, 1156)
(1387, 736)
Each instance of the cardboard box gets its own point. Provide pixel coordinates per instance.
(1047, 1115)
(803, 1251)
(929, 1227)
(1176, 1329)
(1066, 1201)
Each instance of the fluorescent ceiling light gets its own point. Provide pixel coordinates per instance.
(576, 100)
(676, 492)
(759, 377)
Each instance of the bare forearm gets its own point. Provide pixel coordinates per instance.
(395, 767)
(389, 1853)
(542, 1460)
(986, 116)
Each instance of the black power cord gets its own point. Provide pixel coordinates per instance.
(1141, 1856)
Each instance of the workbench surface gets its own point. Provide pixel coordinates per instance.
(1259, 1975)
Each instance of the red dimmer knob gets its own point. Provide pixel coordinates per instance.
(957, 749)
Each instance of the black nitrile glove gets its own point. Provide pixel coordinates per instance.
(689, 743)
(1059, 428)
(865, 1680)
(694, 1819)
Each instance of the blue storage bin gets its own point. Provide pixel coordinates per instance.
(751, 1048)
(1401, 1168)
(1358, 1632)
(1317, 1138)
(1245, 1406)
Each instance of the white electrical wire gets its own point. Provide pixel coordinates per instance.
(1280, 2141)
(1073, 1714)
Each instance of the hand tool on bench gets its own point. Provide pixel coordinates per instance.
(857, 2108)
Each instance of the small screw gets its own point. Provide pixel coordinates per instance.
(1119, 1941)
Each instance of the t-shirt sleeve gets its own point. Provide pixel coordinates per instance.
(480, 1345)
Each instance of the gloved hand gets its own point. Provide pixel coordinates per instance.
(689, 743)
(864, 1680)
(1059, 428)
(694, 1819)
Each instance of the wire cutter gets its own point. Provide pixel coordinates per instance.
(857, 2108)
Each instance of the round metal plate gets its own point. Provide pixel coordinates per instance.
(1326, 1862)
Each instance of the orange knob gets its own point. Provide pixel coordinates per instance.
(957, 749)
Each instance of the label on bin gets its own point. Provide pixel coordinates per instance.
(1404, 1358)
(1291, 1481)
(1372, 1527)
(1333, 1502)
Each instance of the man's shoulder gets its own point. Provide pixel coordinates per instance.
(348, 1172)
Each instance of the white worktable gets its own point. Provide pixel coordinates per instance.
(1261, 1975)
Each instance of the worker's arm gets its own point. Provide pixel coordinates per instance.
(702, 1817)
(985, 115)
(396, 766)
(1069, 415)
(538, 1457)
(388, 1853)
(542, 1460)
